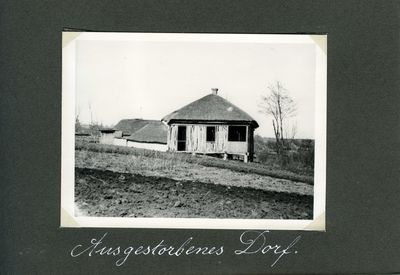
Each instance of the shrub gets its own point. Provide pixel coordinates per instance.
(263, 156)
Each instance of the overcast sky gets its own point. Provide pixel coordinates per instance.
(150, 79)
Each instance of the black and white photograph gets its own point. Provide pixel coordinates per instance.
(193, 130)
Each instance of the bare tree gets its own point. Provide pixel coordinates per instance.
(281, 107)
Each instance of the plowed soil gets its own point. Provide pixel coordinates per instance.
(104, 193)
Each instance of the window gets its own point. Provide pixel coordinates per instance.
(210, 133)
(237, 133)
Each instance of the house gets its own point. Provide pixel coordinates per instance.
(138, 133)
(211, 125)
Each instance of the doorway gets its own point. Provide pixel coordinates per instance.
(181, 138)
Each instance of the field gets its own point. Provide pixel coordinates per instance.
(125, 182)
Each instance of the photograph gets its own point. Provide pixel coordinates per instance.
(193, 130)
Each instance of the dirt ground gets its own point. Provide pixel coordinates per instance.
(113, 194)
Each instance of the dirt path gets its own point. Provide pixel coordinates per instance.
(113, 194)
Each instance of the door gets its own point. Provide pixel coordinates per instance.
(181, 138)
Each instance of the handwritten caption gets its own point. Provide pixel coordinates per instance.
(250, 242)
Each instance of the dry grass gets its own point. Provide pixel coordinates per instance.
(169, 168)
(169, 161)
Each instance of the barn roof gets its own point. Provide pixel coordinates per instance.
(210, 108)
(153, 132)
(130, 126)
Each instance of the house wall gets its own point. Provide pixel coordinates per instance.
(236, 146)
(120, 141)
(118, 133)
(106, 138)
(172, 138)
(149, 146)
(196, 140)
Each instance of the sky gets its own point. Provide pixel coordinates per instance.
(117, 79)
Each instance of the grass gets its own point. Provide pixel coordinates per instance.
(168, 160)
(184, 172)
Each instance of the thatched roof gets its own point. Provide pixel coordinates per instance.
(153, 132)
(130, 126)
(210, 108)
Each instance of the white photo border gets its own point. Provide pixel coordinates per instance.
(67, 217)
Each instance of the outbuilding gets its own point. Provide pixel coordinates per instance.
(138, 133)
(123, 129)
